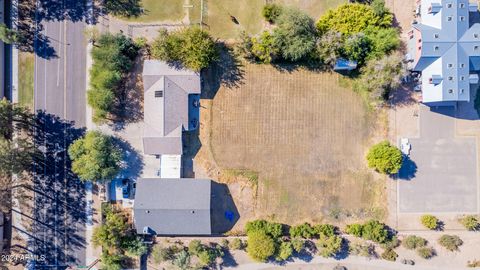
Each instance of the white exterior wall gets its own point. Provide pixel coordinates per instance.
(170, 166)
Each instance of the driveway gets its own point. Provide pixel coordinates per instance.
(440, 176)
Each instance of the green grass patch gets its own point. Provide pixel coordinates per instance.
(251, 176)
(26, 62)
(160, 10)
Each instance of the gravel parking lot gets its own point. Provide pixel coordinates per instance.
(441, 172)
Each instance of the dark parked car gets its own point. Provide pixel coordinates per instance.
(126, 188)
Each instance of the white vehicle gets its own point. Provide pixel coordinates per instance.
(405, 146)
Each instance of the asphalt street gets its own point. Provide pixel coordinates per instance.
(60, 63)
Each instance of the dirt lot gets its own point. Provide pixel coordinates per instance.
(306, 138)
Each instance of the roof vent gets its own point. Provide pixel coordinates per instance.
(158, 93)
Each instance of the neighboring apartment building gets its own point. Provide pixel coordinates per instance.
(171, 106)
(444, 45)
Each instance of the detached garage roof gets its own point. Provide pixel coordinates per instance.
(172, 206)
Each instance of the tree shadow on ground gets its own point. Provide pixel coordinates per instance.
(227, 71)
(59, 200)
(132, 165)
(128, 107)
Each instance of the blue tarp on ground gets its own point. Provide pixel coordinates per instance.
(344, 64)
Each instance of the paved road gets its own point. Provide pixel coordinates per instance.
(59, 230)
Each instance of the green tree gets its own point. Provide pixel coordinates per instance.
(380, 76)
(383, 41)
(134, 246)
(195, 247)
(123, 8)
(353, 18)
(378, 7)
(263, 48)
(429, 221)
(207, 256)
(260, 246)
(304, 230)
(95, 157)
(325, 229)
(470, 222)
(450, 242)
(110, 234)
(385, 158)
(113, 57)
(8, 35)
(284, 251)
(295, 34)
(375, 231)
(272, 229)
(329, 47)
(329, 246)
(161, 254)
(191, 46)
(298, 244)
(354, 229)
(357, 47)
(413, 242)
(271, 12)
(111, 261)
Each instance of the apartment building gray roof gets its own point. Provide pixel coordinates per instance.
(445, 46)
(173, 206)
(166, 106)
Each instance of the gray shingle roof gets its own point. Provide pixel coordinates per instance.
(173, 206)
(166, 104)
(448, 45)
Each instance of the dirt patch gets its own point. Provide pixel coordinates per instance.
(303, 134)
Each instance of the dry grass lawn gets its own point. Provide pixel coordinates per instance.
(248, 14)
(305, 136)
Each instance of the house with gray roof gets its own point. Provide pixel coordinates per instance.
(444, 45)
(171, 106)
(173, 206)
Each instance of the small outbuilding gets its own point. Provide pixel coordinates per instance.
(173, 206)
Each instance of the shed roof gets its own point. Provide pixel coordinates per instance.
(173, 206)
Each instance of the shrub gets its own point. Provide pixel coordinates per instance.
(378, 78)
(430, 222)
(450, 242)
(194, 247)
(353, 18)
(191, 46)
(470, 222)
(298, 244)
(413, 242)
(473, 263)
(260, 246)
(325, 229)
(271, 12)
(262, 48)
(385, 158)
(182, 260)
(362, 249)
(273, 229)
(304, 230)
(389, 255)
(160, 254)
(295, 34)
(425, 252)
(224, 243)
(375, 231)
(329, 246)
(284, 252)
(355, 229)
(392, 243)
(236, 244)
(207, 256)
(134, 246)
(329, 47)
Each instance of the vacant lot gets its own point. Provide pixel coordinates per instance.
(248, 14)
(306, 138)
